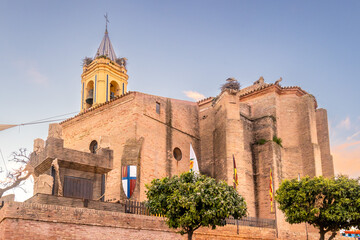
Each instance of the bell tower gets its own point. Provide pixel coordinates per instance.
(104, 77)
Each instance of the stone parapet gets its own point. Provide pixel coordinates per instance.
(44, 222)
(76, 202)
(102, 162)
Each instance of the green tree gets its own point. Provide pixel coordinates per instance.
(191, 201)
(328, 204)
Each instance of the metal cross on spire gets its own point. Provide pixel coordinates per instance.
(107, 21)
(106, 48)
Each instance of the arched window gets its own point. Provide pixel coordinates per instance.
(93, 146)
(114, 90)
(89, 94)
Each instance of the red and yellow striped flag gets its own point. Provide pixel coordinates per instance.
(271, 192)
(235, 174)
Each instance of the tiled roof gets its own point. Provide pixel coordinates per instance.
(270, 85)
(204, 100)
(97, 106)
(246, 92)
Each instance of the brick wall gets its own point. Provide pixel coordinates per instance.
(75, 202)
(41, 221)
(44, 222)
(218, 128)
(139, 136)
(324, 142)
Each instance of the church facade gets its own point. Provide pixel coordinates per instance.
(263, 126)
(121, 140)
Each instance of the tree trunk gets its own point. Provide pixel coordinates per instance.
(322, 234)
(332, 235)
(190, 234)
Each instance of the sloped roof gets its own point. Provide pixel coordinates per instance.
(106, 48)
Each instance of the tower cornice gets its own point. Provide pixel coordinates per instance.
(104, 64)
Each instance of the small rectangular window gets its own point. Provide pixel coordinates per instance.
(157, 108)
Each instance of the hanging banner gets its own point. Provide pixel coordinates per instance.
(6, 126)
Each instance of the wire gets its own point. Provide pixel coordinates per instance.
(31, 123)
(48, 118)
(44, 120)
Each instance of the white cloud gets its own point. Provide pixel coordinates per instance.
(30, 71)
(353, 136)
(345, 124)
(36, 77)
(194, 95)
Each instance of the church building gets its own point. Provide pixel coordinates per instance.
(121, 140)
(154, 133)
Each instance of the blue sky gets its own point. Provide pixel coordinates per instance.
(178, 46)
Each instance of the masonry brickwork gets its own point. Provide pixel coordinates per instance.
(116, 128)
(138, 135)
(229, 125)
(47, 222)
(143, 130)
(72, 164)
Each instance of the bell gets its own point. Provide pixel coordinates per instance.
(89, 99)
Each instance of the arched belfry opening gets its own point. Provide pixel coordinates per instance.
(89, 99)
(114, 90)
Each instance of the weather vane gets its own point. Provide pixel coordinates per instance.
(107, 20)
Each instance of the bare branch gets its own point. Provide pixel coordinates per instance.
(16, 183)
(22, 187)
(21, 156)
(17, 176)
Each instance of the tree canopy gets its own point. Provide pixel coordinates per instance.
(327, 204)
(190, 201)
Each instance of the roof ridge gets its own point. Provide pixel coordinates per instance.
(98, 106)
(270, 85)
(204, 99)
(257, 89)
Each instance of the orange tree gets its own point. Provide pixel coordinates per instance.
(329, 204)
(190, 201)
